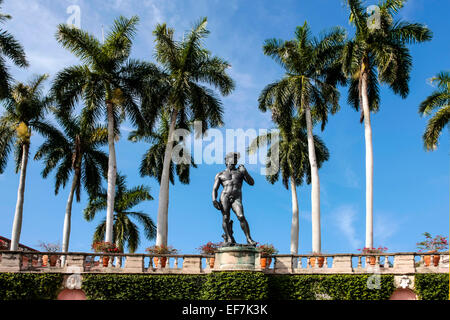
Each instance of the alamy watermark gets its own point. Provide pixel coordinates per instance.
(213, 145)
(74, 19)
(374, 19)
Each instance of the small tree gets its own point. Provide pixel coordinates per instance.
(431, 244)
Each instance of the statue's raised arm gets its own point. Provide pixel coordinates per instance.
(247, 177)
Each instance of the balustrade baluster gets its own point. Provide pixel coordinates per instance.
(359, 262)
(325, 263)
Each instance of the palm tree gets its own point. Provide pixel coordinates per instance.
(12, 49)
(125, 231)
(75, 150)
(108, 81)
(373, 56)
(309, 85)
(439, 99)
(190, 72)
(153, 160)
(294, 165)
(25, 110)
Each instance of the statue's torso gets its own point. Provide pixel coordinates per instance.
(232, 182)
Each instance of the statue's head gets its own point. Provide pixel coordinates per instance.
(231, 159)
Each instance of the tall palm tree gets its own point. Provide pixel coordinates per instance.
(12, 49)
(153, 160)
(108, 81)
(75, 150)
(294, 165)
(312, 72)
(190, 72)
(439, 99)
(378, 55)
(126, 232)
(25, 110)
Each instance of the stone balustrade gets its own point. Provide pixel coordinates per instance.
(79, 262)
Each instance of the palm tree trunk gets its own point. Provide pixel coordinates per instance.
(369, 161)
(112, 171)
(163, 205)
(68, 215)
(295, 218)
(315, 184)
(17, 225)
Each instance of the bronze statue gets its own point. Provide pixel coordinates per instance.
(231, 197)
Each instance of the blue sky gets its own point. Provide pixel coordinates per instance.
(411, 186)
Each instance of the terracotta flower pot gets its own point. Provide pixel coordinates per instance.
(320, 261)
(427, 259)
(265, 262)
(371, 260)
(312, 261)
(436, 259)
(53, 260)
(44, 260)
(105, 261)
(163, 262)
(212, 262)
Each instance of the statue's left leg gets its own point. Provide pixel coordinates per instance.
(239, 210)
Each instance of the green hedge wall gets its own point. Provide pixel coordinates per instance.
(431, 286)
(29, 286)
(235, 285)
(142, 287)
(330, 287)
(219, 286)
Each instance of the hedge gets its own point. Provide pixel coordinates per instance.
(142, 287)
(431, 286)
(220, 286)
(29, 286)
(331, 287)
(235, 285)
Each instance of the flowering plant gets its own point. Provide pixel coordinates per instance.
(50, 247)
(267, 250)
(209, 248)
(432, 244)
(3, 245)
(367, 250)
(161, 249)
(107, 247)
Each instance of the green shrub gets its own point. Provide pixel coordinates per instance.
(294, 287)
(29, 286)
(235, 286)
(355, 287)
(142, 287)
(432, 286)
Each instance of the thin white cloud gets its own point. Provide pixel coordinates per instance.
(344, 218)
(351, 178)
(385, 226)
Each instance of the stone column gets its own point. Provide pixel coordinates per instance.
(11, 262)
(283, 264)
(342, 264)
(134, 264)
(404, 264)
(192, 264)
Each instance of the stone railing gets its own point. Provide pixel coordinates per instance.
(21, 261)
(389, 263)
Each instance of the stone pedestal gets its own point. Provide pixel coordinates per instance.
(236, 258)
